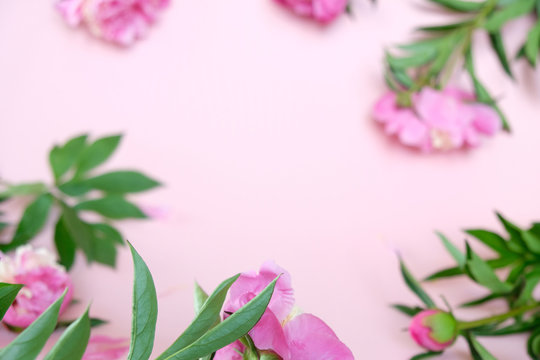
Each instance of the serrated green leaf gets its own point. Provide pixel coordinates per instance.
(231, 329)
(458, 256)
(97, 153)
(206, 319)
(415, 287)
(498, 45)
(145, 309)
(62, 158)
(483, 274)
(29, 343)
(516, 9)
(73, 342)
(113, 207)
(459, 5)
(121, 182)
(407, 310)
(8, 293)
(32, 221)
(36, 188)
(65, 245)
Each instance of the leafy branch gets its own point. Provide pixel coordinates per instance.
(76, 190)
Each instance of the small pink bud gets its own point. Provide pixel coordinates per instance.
(434, 329)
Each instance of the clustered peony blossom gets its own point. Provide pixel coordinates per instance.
(280, 330)
(433, 329)
(43, 279)
(441, 120)
(118, 21)
(101, 347)
(323, 11)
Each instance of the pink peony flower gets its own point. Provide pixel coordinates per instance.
(102, 347)
(323, 11)
(43, 279)
(231, 352)
(291, 337)
(118, 21)
(441, 120)
(433, 329)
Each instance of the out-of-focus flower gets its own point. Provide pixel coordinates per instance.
(43, 279)
(280, 330)
(323, 11)
(118, 21)
(101, 347)
(433, 329)
(441, 120)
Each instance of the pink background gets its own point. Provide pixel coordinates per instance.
(259, 125)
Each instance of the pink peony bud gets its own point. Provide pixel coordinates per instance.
(43, 279)
(434, 329)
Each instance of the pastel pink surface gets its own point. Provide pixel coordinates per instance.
(258, 122)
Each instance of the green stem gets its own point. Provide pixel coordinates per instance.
(466, 325)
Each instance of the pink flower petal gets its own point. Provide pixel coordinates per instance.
(101, 347)
(486, 120)
(310, 338)
(268, 335)
(231, 352)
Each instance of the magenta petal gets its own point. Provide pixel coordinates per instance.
(327, 10)
(268, 335)
(385, 108)
(310, 338)
(230, 352)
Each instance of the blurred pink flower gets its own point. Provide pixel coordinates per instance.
(323, 11)
(291, 337)
(441, 120)
(118, 21)
(433, 329)
(101, 347)
(43, 279)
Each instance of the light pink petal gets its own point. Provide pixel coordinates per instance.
(486, 120)
(327, 10)
(414, 132)
(250, 284)
(102, 347)
(471, 137)
(458, 94)
(268, 335)
(386, 107)
(230, 352)
(310, 338)
(70, 10)
(299, 7)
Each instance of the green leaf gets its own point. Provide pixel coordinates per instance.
(407, 310)
(418, 59)
(62, 158)
(460, 258)
(205, 320)
(415, 287)
(455, 271)
(37, 188)
(29, 343)
(8, 293)
(3, 225)
(112, 206)
(122, 182)
(65, 245)
(516, 9)
(143, 327)
(533, 345)
(74, 188)
(443, 28)
(33, 219)
(199, 298)
(490, 239)
(516, 243)
(73, 342)
(516, 328)
(531, 282)
(459, 5)
(80, 232)
(531, 240)
(482, 273)
(481, 300)
(97, 153)
(498, 45)
(106, 238)
(426, 355)
(231, 329)
(478, 351)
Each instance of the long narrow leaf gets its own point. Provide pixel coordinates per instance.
(73, 342)
(8, 293)
(415, 287)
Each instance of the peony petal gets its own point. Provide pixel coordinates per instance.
(486, 120)
(101, 347)
(386, 108)
(230, 352)
(325, 11)
(414, 132)
(268, 335)
(310, 338)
